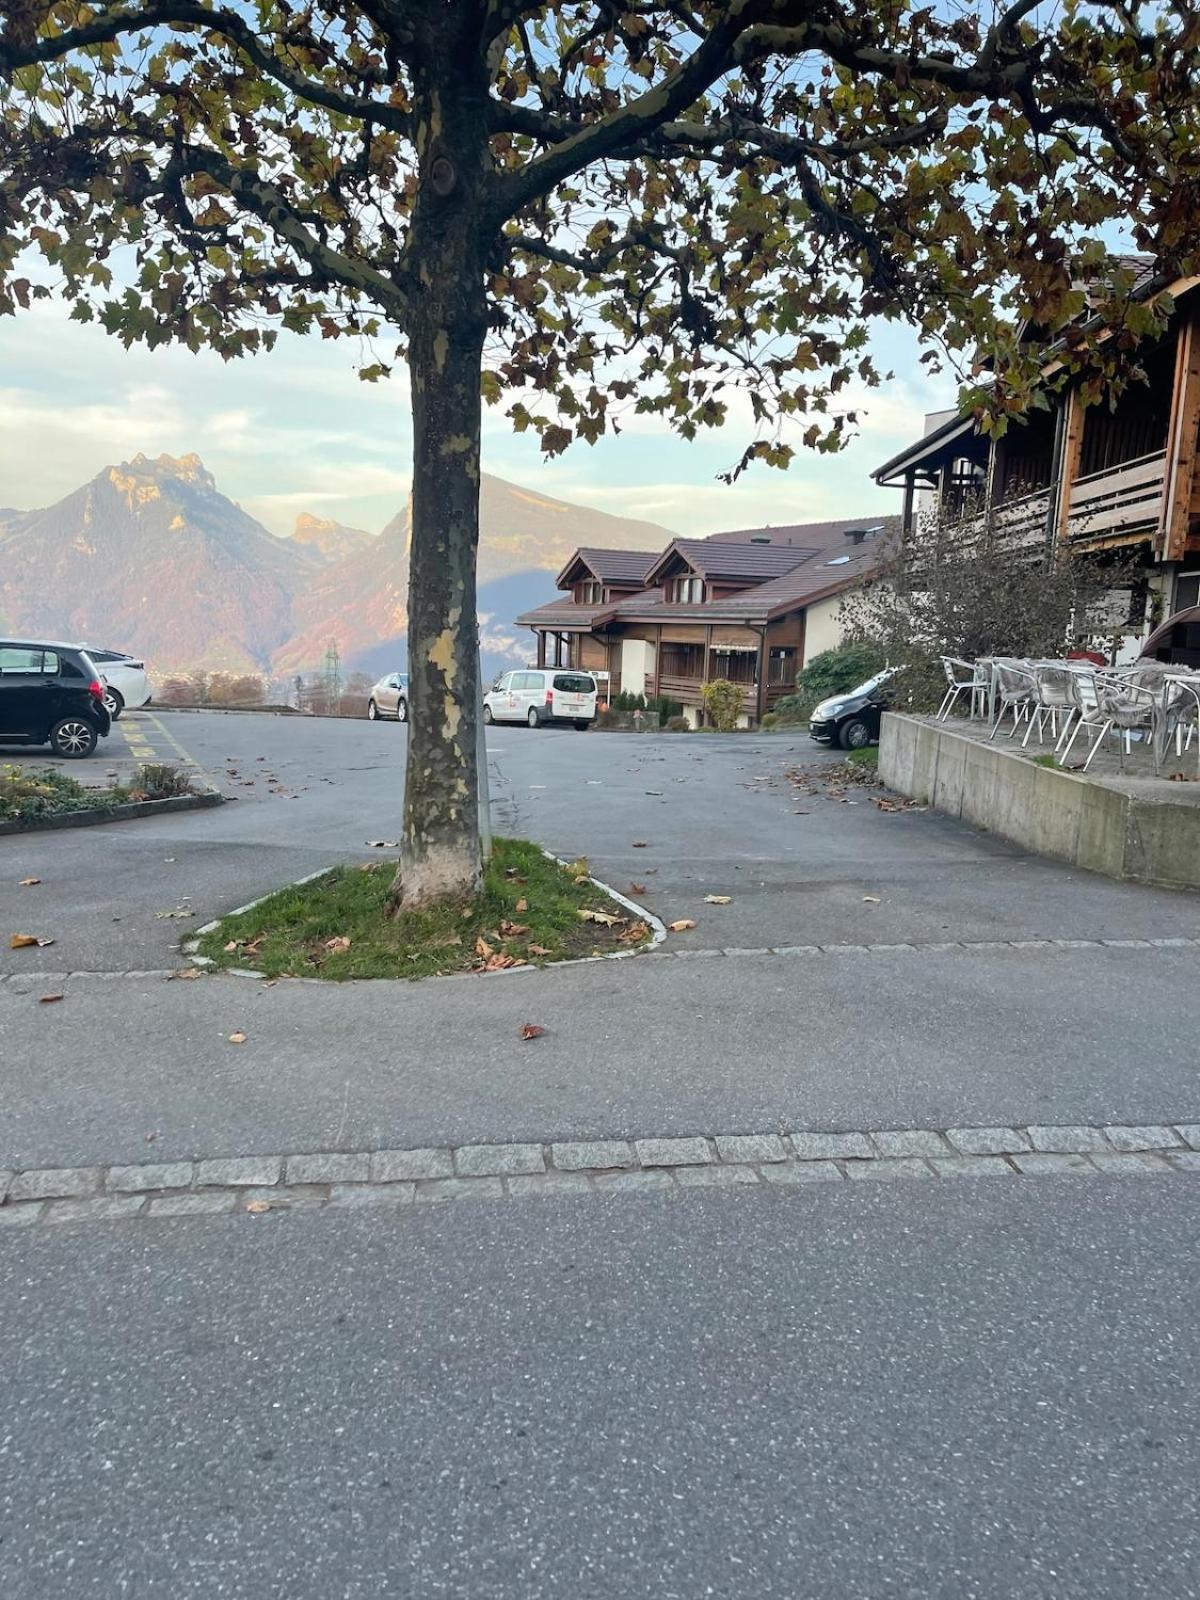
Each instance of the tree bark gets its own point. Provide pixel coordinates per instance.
(441, 854)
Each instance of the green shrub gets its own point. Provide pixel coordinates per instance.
(678, 724)
(723, 703)
(159, 781)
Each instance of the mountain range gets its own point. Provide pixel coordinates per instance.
(152, 558)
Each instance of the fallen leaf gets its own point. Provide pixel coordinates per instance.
(336, 945)
(530, 1030)
(871, 899)
(539, 950)
(234, 944)
(634, 934)
(484, 949)
(522, 905)
(640, 844)
(681, 926)
(25, 941)
(187, 972)
(582, 879)
(257, 1207)
(237, 1038)
(718, 899)
(637, 888)
(28, 883)
(602, 917)
(179, 911)
(513, 930)
(49, 999)
(501, 963)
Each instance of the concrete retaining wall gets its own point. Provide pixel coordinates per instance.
(1058, 814)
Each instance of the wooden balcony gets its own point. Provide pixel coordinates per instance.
(1122, 499)
(690, 692)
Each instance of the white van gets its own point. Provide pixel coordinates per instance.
(541, 695)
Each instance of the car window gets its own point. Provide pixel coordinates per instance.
(26, 661)
(68, 669)
(504, 681)
(574, 683)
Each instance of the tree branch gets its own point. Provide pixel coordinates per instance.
(14, 55)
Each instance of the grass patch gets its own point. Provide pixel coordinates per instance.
(46, 792)
(868, 758)
(336, 927)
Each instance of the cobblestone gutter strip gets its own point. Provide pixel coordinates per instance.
(22, 983)
(589, 1167)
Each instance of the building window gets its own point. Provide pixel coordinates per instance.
(683, 661)
(736, 666)
(1187, 591)
(781, 668)
(688, 591)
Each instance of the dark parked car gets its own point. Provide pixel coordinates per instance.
(51, 694)
(852, 719)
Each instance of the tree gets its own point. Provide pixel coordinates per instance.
(645, 205)
(966, 592)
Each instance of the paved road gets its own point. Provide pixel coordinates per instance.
(866, 1395)
(963, 1389)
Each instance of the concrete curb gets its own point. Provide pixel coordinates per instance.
(129, 812)
(658, 933)
(782, 1163)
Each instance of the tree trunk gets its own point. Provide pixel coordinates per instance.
(441, 855)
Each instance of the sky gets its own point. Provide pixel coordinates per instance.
(295, 430)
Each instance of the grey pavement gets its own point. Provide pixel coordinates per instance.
(980, 1390)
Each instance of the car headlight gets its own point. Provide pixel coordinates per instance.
(827, 709)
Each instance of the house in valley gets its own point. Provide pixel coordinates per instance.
(1092, 479)
(751, 606)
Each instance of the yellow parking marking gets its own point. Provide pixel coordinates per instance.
(186, 759)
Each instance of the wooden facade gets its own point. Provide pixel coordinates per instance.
(1087, 478)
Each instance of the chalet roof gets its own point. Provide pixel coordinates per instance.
(617, 568)
(818, 536)
(719, 560)
(563, 614)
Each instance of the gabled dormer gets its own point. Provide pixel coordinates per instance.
(596, 577)
(695, 571)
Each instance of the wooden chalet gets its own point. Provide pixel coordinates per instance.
(750, 606)
(1089, 478)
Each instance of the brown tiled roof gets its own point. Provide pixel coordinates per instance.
(562, 613)
(733, 561)
(817, 536)
(616, 567)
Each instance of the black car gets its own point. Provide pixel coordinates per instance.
(852, 719)
(51, 694)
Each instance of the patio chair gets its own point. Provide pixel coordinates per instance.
(1106, 702)
(963, 677)
(1053, 701)
(1013, 685)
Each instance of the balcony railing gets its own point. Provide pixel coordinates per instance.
(690, 691)
(1119, 499)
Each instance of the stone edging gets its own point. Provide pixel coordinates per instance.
(126, 812)
(39, 976)
(658, 934)
(334, 1178)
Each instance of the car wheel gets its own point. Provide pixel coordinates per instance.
(487, 716)
(113, 703)
(72, 738)
(582, 727)
(854, 734)
(535, 717)
(372, 711)
(401, 710)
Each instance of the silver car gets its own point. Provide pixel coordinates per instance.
(389, 698)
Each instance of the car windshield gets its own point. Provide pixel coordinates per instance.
(871, 684)
(574, 683)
